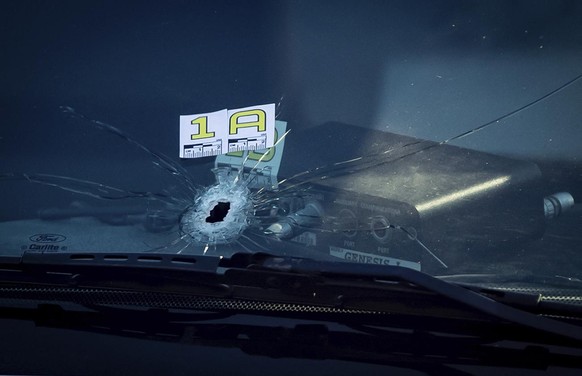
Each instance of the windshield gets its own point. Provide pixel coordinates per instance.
(443, 137)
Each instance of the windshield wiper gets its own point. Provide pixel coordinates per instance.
(283, 286)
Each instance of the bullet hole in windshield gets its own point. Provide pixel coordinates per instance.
(218, 213)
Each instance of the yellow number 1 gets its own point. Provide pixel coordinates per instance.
(202, 122)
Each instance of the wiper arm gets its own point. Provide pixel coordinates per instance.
(451, 291)
(337, 288)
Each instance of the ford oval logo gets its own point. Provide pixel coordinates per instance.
(47, 238)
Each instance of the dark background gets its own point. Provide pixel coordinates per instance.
(428, 69)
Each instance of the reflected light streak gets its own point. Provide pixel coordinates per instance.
(462, 194)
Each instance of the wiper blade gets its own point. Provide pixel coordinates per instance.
(277, 284)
